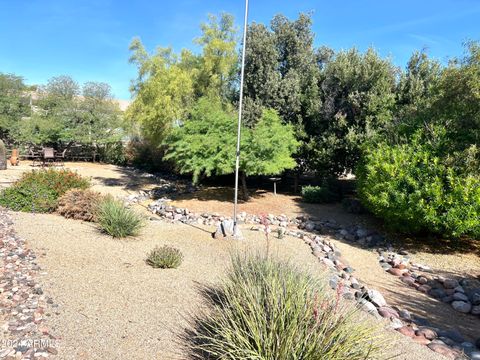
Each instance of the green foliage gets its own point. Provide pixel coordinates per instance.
(218, 64)
(165, 257)
(168, 84)
(413, 190)
(39, 190)
(281, 73)
(14, 104)
(318, 194)
(358, 99)
(63, 115)
(205, 144)
(267, 309)
(117, 220)
(164, 91)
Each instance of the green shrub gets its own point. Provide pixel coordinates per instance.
(267, 309)
(318, 194)
(39, 190)
(412, 190)
(165, 257)
(117, 220)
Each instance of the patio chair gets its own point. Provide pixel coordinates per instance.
(48, 155)
(60, 158)
(34, 156)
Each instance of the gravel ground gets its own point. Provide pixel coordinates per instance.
(113, 306)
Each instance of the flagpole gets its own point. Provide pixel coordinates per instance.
(240, 104)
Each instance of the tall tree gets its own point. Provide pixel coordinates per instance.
(14, 103)
(358, 100)
(164, 90)
(218, 63)
(281, 73)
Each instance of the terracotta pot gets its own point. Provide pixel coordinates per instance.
(14, 158)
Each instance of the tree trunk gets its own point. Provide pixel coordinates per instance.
(295, 182)
(243, 178)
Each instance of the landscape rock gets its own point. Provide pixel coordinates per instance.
(444, 350)
(462, 306)
(450, 283)
(376, 298)
(407, 331)
(428, 333)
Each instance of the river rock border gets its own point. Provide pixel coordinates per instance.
(23, 304)
(449, 343)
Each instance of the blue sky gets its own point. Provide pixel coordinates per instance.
(88, 39)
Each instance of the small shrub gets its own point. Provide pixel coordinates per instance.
(117, 220)
(165, 257)
(39, 190)
(79, 204)
(267, 309)
(318, 194)
(413, 190)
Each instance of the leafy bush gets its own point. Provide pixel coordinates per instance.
(79, 204)
(113, 153)
(165, 257)
(39, 190)
(117, 220)
(318, 194)
(267, 309)
(412, 190)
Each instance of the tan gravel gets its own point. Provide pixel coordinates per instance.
(114, 306)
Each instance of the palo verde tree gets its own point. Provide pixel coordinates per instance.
(205, 144)
(168, 84)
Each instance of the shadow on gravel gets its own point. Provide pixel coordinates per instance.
(429, 311)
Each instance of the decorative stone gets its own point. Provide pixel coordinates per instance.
(476, 310)
(328, 262)
(395, 271)
(462, 306)
(443, 349)
(450, 283)
(424, 288)
(376, 298)
(387, 312)
(428, 333)
(452, 334)
(368, 307)
(421, 340)
(407, 331)
(460, 296)
(407, 280)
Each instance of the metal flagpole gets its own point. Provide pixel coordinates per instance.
(240, 103)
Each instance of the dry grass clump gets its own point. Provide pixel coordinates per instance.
(267, 309)
(79, 204)
(165, 257)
